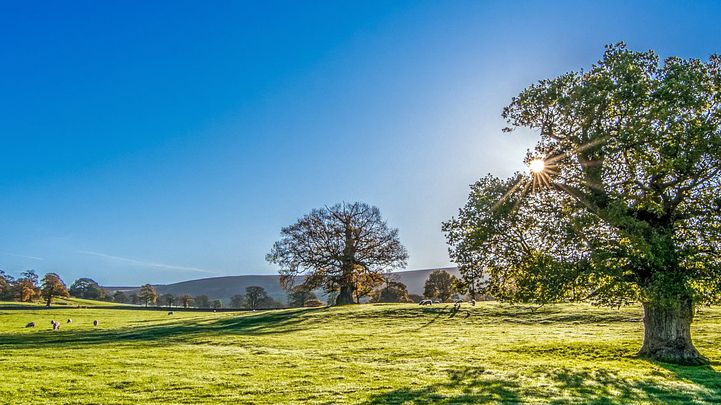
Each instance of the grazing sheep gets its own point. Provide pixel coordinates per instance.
(56, 326)
(70, 321)
(95, 322)
(30, 325)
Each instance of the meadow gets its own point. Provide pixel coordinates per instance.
(367, 354)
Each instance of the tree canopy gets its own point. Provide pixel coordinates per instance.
(623, 202)
(337, 248)
(394, 291)
(87, 288)
(53, 286)
(440, 285)
(300, 295)
(147, 295)
(26, 287)
(256, 297)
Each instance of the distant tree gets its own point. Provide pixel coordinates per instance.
(87, 288)
(202, 301)
(6, 283)
(120, 297)
(366, 283)
(237, 301)
(134, 299)
(217, 304)
(623, 200)
(53, 286)
(440, 285)
(394, 291)
(256, 297)
(335, 245)
(299, 296)
(26, 287)
(147, 295)
(168, 299)
(186, 300)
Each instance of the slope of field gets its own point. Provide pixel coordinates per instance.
(225, 287)
(62, 302)
(368, 354)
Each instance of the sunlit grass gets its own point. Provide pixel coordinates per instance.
(358, 354)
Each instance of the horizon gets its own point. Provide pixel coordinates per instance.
(173, 144)
(260, 275)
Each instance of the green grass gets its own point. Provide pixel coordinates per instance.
(369, 354)
(62, 302)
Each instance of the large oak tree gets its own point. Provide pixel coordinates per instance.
(623, 203)
(335, 247)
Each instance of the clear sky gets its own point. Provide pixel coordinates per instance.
(157, 141)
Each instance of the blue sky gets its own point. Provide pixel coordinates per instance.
(164, 141)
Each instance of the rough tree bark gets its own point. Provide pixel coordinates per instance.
(667, 333)
(346, 289)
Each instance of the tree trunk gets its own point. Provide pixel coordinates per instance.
(346, 296)
(667, 333)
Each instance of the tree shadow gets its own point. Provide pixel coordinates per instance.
(602, 386)
(264, 323)
(475, 385)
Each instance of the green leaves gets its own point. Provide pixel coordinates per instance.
(628, 210)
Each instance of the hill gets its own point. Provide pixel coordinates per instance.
(360, 354)
(225, 287)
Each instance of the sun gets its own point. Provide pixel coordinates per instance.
(537, 166)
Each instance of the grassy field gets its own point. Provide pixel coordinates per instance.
(368, 354)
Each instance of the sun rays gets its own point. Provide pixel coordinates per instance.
(543, 169)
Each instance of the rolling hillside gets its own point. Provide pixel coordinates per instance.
(225, 287)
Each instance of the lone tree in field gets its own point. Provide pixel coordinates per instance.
(440, 285)
(52, 286)
(336, 246)
(147, 295)
(256, 297)
(623, 203)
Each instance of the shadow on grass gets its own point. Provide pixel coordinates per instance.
(263, 323)
(471, 386)
(475, 385)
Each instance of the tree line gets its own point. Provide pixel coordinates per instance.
(440, 286)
